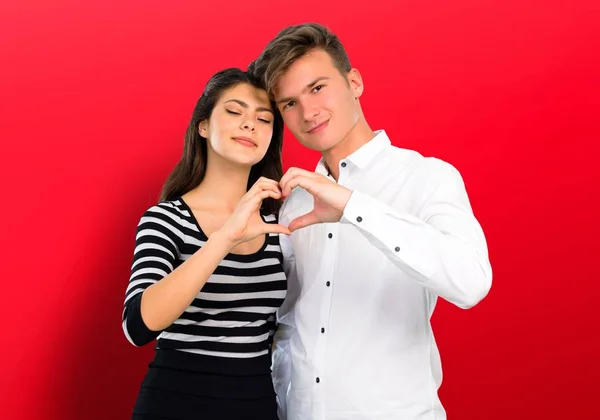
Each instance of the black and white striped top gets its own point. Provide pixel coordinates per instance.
(233, 315)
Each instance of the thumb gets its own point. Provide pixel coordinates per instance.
(303, 221)
(275, 228)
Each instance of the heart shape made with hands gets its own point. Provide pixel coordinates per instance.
(330, 198)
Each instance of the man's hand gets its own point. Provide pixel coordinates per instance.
(330, 198)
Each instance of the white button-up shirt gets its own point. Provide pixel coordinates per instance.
(354, 339)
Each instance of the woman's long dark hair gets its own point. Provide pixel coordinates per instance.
(189, 171)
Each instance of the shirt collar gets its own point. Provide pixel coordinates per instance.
(364, 155)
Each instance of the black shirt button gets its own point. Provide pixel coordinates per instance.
(328, 284)
(322, 330)
(330, 235)
(318, 380)
(397, 249)
(343, 164)
(359, 219)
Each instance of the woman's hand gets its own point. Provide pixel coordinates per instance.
(246, 223)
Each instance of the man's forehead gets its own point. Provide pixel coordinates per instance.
(301, 76)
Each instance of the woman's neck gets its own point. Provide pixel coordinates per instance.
(223, 186)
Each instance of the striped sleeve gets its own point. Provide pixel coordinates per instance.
(271, 321)
(156, 252)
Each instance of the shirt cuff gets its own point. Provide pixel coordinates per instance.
(138, 332)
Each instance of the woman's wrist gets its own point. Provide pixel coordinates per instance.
(222, 240)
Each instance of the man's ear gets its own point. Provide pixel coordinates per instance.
(356, 82)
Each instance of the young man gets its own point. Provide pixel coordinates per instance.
(379, 232)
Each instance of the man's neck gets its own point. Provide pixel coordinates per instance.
(360, 135)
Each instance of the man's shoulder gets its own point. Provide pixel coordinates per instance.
(429, 164)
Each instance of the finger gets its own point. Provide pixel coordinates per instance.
(259, 197)
(298, 181)
(293, 172)
(303, 221)
(253, 203)
(290, 184)
(269, 187)
(274, 189)
(258, 186)
(262, 186)
(264, 182)
(267, 180)
(276, 228)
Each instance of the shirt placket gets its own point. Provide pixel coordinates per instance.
(328, 280)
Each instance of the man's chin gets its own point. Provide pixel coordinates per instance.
(316, 146)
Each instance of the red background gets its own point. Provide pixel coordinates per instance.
(95, 99)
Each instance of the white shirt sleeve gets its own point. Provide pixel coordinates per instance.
(442, 246)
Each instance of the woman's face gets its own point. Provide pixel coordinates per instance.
(240, 127)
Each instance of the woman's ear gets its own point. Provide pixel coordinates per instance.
(203, 128)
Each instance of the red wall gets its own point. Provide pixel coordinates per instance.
(93, 106)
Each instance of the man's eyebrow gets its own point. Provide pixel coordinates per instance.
(308, 87)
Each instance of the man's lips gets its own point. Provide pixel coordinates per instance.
(318, 128)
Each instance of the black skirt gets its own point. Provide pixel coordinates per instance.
(182, 386)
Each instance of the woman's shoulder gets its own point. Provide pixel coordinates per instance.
(172, 211)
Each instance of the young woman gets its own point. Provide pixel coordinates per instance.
(207, 272)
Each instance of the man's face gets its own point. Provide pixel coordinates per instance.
(318, 104)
